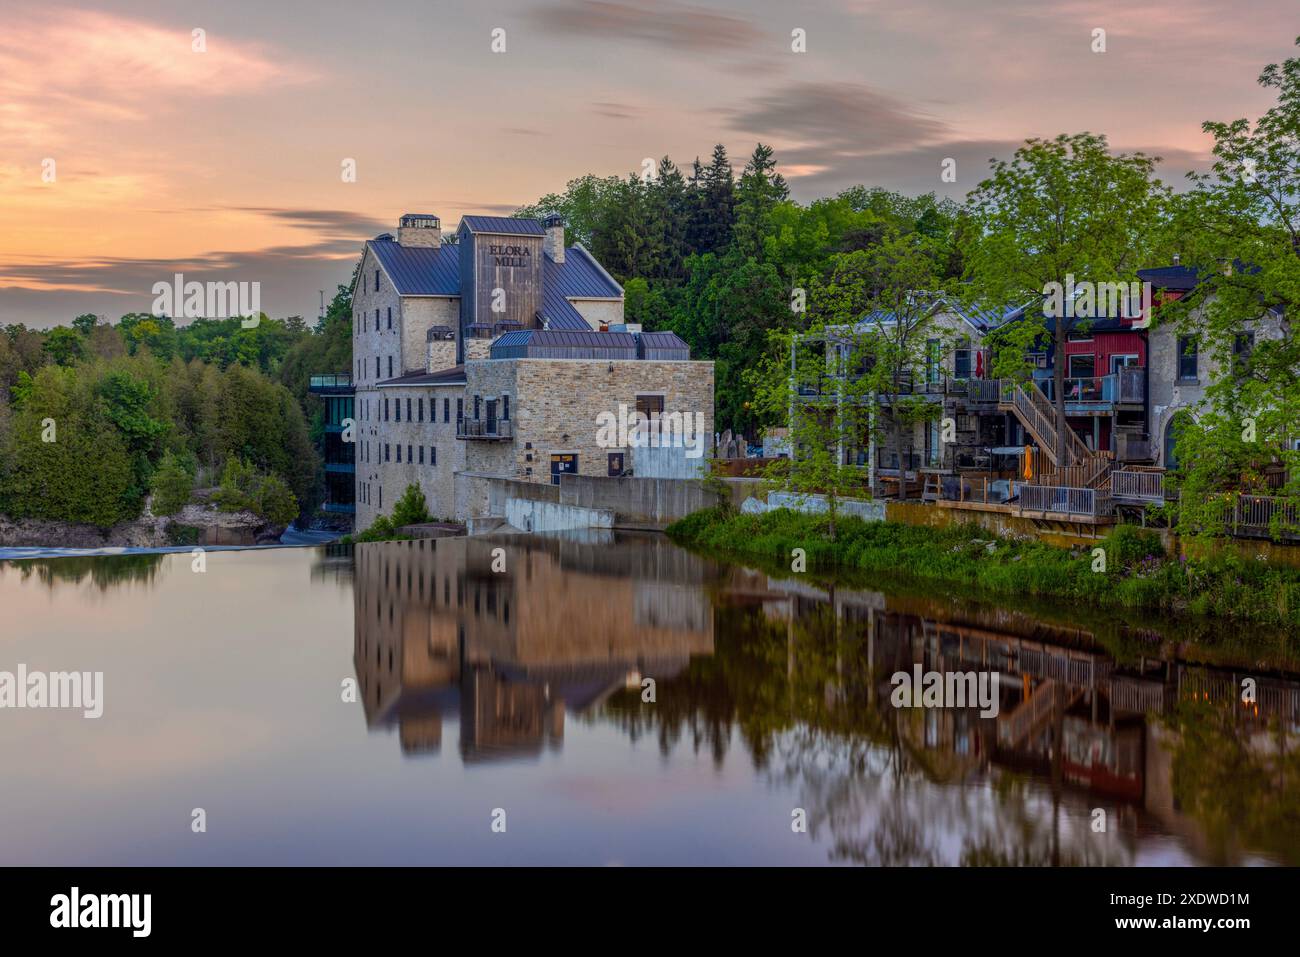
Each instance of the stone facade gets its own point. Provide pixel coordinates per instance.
(1170, 393)
(555, 405)
(425, 433)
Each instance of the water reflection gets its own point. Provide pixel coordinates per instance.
(1152, 735)
(102, 571)
(559, 626)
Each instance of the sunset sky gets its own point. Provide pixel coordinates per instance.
(225, 164)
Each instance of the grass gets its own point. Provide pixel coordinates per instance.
(1138, 574)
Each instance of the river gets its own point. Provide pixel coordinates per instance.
(488, 701)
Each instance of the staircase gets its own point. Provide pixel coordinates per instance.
(1083, 467)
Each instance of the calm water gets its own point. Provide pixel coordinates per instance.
(520, 690)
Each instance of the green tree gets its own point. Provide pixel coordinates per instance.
(64, 346)
(1060, 208)
(411, 508)
(275, 502)
(172, 485)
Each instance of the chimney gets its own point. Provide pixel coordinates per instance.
(554, 242)
(419, 229)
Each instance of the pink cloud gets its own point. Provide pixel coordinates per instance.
(61, 69)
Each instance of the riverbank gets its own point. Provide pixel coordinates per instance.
(1137, 573)
(197, 524)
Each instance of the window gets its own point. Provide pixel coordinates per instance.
(385, 408)
(933, 356)
(397, 410)
(446, 410)
(460, 411)
(408, 410)
(390, 367)
(409, 456)
(615, 463)
(390, 317)
(376, 286)
(1082, 367)
(433, 455)
(505, 408)
(961, 363)
(399, 455)
(478, 403)
(388, 452)
(1187, 359)
(376, 318)
(422, 455)
(1242, 346)
(381, 498)
(421, 408)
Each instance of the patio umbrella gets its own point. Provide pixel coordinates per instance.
(1029, 463)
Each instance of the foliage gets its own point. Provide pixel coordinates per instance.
(1138, 573)
(411, 508)
(172, 484)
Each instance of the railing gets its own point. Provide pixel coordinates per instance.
(1016, 726)
(1127, 386)
(482, 429)
(1137, 486)
(978, 490)
(342, 380)
(1263, 514)
(982, 390)
(1064, 500)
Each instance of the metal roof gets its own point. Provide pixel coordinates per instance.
(662, 346)
(420, 270)
(579, 276)
(564, 344)
(452, 376)
(503, 224)
(559, 312)
(425, 271)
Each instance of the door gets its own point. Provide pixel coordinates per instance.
(563, 463)
(491, 416)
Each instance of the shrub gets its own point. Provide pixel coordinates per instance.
(411, 508)
(172, 484)
(275, 501)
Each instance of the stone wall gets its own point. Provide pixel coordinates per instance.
(418, 314)
(555, 406)
(381, 478)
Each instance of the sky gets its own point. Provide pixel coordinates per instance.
(131, 151)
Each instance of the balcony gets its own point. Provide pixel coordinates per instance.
(483, 430)
(1085, 394)
(340, 384)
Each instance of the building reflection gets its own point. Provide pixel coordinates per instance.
(510, 635)
(1161, 743)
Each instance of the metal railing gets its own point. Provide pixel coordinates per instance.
(1127, 386)
(1264, 514)
(483, 429)
(1064, 500)
(1133, 486)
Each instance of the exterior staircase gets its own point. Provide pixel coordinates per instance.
(1083, 467)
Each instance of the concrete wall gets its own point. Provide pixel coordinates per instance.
(533, 516)
(867, 510)
(668, 462)
(637, 500)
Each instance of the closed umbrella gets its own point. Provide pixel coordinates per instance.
(1029, 463)
(979, 364)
